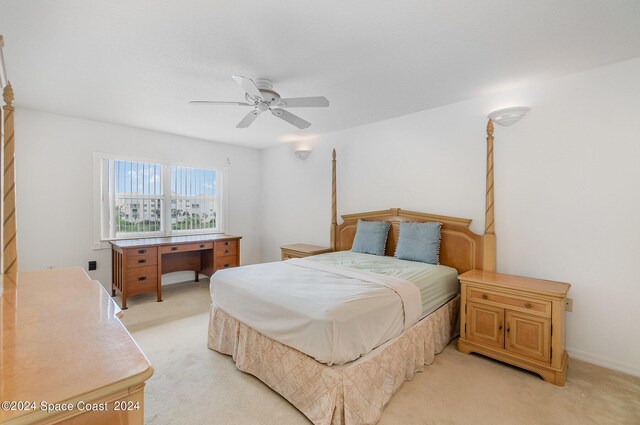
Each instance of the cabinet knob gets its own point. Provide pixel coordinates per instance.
(500, 327)
(141, 261)
(484, 296)
(226, 251)
(174, 248)
(201, 246)
(527, 305)
(142, 251)
(142, 278)
(226, 243)
(226, 265)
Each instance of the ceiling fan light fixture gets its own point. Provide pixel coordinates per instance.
(260, 95)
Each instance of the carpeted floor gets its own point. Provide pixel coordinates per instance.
(196, 386)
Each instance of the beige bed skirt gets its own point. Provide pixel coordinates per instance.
(352, 394)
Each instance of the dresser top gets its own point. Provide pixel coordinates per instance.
(528, 284)
(170, 240)
(62, 342)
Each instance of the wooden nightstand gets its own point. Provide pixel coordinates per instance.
(301, 250)
(517, 320)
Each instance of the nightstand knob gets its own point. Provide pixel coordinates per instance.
(527, 305)
(484, 296)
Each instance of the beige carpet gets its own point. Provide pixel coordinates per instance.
(194, 385)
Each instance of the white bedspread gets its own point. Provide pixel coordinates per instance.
(334, 314)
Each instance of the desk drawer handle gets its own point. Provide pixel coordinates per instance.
(174, 248)
(226, 251)
(142, 261)
(527, 305)
(201, 246)
(484, 296)
(142, 278)
(142, 251)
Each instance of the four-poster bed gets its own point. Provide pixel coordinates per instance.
(356, 392)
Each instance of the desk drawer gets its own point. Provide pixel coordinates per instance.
(225, 251)
(225, 262)
(142, 279)
(186, 247)
(222, 246)
(530, 305)
(141, 257)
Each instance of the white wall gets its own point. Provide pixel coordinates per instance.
(567, 191)
(54, 163)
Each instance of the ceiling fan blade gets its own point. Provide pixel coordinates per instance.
(215, 102)
(291, 118)
(249, 118)
(248, 86)
(301, 102)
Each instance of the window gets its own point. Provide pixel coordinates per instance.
(137, 197)
(193, 199)
(145, 199)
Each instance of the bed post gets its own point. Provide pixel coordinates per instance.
(334, 211)
(10, 254)
(489, 238)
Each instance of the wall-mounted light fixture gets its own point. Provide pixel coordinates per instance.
(508, 116)
(302, 153)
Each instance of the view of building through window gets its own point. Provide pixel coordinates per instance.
(193, 198)
(138, 198)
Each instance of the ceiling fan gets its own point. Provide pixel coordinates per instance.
(261, 97)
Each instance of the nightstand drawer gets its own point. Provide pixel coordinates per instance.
(525, 304)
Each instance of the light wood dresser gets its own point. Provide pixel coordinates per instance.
(65, 357)
(301, 250)
(138, 264)
(517, 320)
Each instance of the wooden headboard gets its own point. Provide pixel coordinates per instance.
(460, 248)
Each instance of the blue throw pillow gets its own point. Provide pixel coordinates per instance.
(419, 242)
(371, 237)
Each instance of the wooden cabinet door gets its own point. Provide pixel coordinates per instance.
(528, 335)
(485, 324)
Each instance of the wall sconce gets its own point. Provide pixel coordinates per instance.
(508, 116)
(302, 153)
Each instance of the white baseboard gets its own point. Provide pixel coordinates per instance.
(601, 361)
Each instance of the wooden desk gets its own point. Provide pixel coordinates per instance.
(138, 264)
(61, 343)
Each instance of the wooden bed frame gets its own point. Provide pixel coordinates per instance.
(460, 248)
(357, 392)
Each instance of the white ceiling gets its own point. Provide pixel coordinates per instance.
(138, 62)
